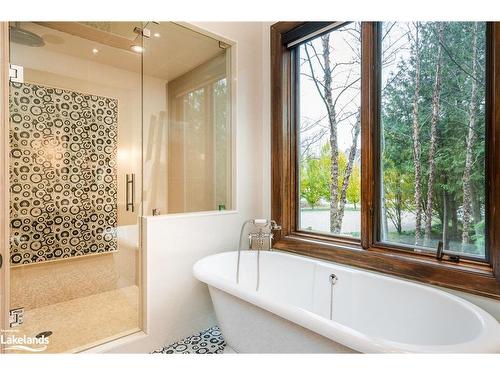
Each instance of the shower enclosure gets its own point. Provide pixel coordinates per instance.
(74, 173)
(107, 122)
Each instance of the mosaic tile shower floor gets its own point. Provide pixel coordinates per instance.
(93, 320)
(209, 341)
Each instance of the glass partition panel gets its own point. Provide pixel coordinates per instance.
(187, 128)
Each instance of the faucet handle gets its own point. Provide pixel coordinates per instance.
(275, 226)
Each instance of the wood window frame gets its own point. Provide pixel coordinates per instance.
(481, 278)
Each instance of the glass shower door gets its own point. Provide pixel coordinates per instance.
(75, 172)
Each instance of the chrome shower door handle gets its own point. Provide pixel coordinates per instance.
(130, 192)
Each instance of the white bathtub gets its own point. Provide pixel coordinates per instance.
(371, 313)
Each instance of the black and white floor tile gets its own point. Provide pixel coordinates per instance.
(209, 341)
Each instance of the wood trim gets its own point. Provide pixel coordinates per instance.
(493, 149)
(303, 29)
(369, 98)
(4, 169)
(467, 276)
(280, 131)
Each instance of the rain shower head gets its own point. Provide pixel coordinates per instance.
(25, 37)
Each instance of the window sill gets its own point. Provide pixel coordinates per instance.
(467, 276)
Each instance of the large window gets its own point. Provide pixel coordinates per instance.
(383, 147)
(433, 135)
(329, 132)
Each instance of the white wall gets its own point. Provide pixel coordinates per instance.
(177, 304)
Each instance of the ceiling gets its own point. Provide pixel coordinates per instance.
(170, 51)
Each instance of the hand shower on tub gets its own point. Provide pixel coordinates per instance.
(260, 239)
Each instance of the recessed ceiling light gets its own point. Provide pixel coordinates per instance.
(136, 48)
(156, 35)
(95, 51)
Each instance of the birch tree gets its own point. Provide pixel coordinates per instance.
(434, 134)
(469, 146)
(417, 150)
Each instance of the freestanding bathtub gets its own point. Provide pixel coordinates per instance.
(371, 313)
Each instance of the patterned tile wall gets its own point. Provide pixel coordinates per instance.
(63, 182)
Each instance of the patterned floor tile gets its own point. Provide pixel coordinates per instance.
(209, 341)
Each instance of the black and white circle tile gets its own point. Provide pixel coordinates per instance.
(209, 341)
(62, 169)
